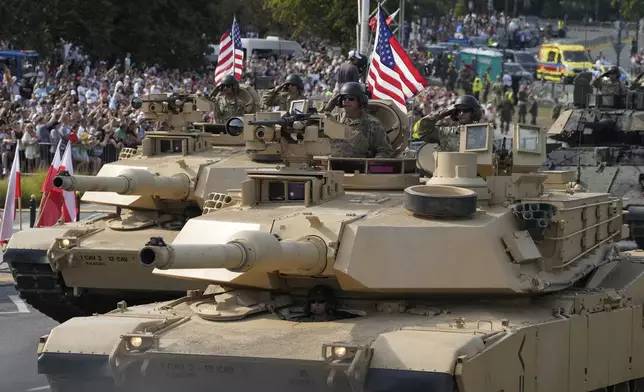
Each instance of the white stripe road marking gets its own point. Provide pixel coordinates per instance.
(46, 387)
(22, 307)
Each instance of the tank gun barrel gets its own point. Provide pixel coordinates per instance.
(129, 182)
(246, 250)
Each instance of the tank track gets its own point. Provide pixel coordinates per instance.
(45, 290)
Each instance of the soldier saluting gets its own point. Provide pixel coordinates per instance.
(466, 110)
(284, 94)
(609, 84)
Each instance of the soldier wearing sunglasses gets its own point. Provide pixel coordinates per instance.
(368, 138)
(284, 94)
(227, 101)
(437, 129)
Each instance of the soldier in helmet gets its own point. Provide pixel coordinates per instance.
(285, 93)
(320, 305)
(228, 104)
(609, 84)
(368, 138)
(466, 110)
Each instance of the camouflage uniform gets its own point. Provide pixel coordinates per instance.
(447, 136)
(608, 87)
(465, 80)
(523, 106)
(272, 98)
(556, 111)
(534, 110)
(367, 139)
(225, 109)
(497, 89)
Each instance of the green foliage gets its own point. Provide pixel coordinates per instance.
(631, 9)
(461, 8)
(171, 33)
(30, 184)
(333, 19)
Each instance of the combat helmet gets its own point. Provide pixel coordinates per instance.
(229, 80)
(321, 293)
(296, 80)
(355, 89)
(471, 103)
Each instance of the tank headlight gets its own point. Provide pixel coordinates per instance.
(139, 342)
(339, 351)
(67, 242)
(136, 342)
(350, 359)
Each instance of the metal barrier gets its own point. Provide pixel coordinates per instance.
(546, 92)
(46, 151)
(33, 209)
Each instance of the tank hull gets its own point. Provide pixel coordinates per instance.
(553, 343)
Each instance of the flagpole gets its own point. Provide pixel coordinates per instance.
(19, 213)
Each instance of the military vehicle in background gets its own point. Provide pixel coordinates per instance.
(172, 177)
(464, 283)
(87, 267)
(598, 143)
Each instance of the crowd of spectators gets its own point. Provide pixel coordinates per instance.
(88, 104)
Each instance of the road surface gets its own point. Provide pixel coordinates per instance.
(20, 328)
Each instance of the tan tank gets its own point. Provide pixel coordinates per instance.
(463, 283)
(87, 267)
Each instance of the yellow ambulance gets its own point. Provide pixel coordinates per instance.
(561, 63)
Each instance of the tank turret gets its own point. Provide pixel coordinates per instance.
(177, 111)
(490, 190)
(180, 171)
(597, 142)
(128, 182)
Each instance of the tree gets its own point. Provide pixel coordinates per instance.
(167, 32)
(461, 8)
(631, 9)
(332, 19)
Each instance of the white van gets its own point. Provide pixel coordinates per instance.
(264, 47)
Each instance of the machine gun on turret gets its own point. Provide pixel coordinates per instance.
(294, 138)
(178, 111)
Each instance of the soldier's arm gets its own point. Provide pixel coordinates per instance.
(381, 144)
(219, 114)
(597, 83)
(428, 130)
(269, 98)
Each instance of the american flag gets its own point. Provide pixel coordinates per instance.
(391, 73)
(231, 55)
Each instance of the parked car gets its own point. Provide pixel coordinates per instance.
(527, 60)
(517, 71)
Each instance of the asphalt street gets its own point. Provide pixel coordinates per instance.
(20, 328)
